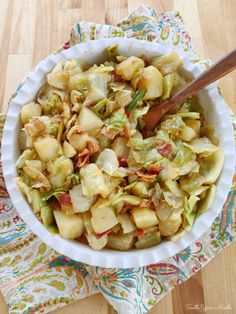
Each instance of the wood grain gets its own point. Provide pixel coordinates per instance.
(31, 29)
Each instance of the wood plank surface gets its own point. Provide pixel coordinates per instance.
(31, 29)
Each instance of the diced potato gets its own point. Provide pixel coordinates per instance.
(70, 226)
(152, 80)
(87, 222)
(187, 134)
(122, 242)
(149, 239)
(140, 189)
(103, 219)
(194, 124)
(123, 98)
(68, 150)
(88, 120)
(120, 146)
(79, 141)
(47, 148)
(144, 217)
(127, 68)
(170, 225)
(126, 223)
(96, 244)
(30, 111)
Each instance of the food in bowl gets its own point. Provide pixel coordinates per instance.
(92, 172)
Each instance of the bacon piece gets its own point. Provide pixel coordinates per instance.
(64, 199)
(93, 148)
(123, 161)
(147, 203)
(84, 160)
(115, 77)
(126, 132)
(109, 134)
(140, 233)
(154, 170)
(100, 235)
(146, 176)
(74, 130)
(165, 149)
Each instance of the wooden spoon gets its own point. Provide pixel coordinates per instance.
(216, 71)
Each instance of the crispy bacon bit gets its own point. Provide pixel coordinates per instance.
(54, 204)
(115, 77)
(35, 127)
(144, 133)
(147, 203)
(93, 148)
(100, 235)
(109, 134)
(124, 209)
(123, 161)
(82, 161)
(74, 130)
(140, 233)
(64, 199)
(146, 176)
(154, 170)
(126, 132)
(165, 149)
(84, 156)
(82, 239)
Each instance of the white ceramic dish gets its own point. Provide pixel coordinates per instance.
(215, 110)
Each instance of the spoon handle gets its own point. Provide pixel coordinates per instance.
(215, 72)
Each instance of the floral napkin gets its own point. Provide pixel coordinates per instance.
(36, 279)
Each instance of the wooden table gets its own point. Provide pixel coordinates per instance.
(31, 29)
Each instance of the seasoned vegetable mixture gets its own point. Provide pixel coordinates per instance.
(92, 172)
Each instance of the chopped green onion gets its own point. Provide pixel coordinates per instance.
(137, 98)
(168, 84)
(60, 131)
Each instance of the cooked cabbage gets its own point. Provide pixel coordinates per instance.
(88, 159)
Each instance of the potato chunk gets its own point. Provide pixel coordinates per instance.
(170, 225)
(144, 217)
(68, 150)
(47, 148)
(70, 226)
(152, 80)
(88, 120)
(30, 111)
(103, 218)
(120, 146)
(127, 68)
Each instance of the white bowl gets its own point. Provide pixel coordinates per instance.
(216, 113)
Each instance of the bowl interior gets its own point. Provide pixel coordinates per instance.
(215, 111)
